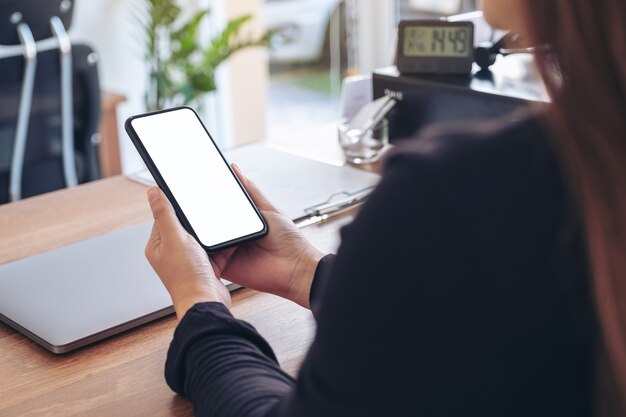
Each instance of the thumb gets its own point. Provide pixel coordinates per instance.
(154, 245)
(165, 219)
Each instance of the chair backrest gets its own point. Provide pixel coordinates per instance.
(43, 160)
(36, 13)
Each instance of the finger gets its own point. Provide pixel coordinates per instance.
(221, 259)
(153, 243)
(164, 215)
(155, 236)
(262, 202)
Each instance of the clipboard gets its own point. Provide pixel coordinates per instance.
(307, 190)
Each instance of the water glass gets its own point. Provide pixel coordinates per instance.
(363, 147)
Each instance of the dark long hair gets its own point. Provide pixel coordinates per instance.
(585, 72)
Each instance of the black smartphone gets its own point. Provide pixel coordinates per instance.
(210, 202)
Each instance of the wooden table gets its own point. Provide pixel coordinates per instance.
(121, 376)
(110, 159)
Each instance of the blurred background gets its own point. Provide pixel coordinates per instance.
(279, 91)
(322, 41)
(289, 85)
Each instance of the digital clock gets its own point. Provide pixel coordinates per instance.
(435, 47)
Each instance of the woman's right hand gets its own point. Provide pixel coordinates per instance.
(282, 263)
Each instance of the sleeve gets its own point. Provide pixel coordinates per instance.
(227, 369)
(385, 311)
(319, 282)
(223, 365)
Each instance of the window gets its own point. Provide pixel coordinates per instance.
(408, 9)
(307, 61)
(319, 42)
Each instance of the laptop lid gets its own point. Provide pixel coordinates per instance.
(82, 293)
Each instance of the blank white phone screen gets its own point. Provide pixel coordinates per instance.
(202, 184)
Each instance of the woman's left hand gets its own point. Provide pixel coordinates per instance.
(181, 263)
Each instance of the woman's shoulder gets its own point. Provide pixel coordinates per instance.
(479, 148)
(485, 175)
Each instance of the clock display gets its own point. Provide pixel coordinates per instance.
(438, 41)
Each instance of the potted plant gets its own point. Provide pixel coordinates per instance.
(181, 67)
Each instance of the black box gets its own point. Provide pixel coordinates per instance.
(424, 100)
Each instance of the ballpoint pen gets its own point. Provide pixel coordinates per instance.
(325, 211)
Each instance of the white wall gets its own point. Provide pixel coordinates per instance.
(375, 34)
(109, 27)
(244, 93)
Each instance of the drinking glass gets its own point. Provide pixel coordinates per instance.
(363, 146)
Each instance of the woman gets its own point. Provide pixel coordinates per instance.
(508, 241)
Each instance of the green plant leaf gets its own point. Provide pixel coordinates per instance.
(187, 70)
(186, 37)
(220, 48)
(203, 81)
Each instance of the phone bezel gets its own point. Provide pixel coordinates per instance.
(170, 196)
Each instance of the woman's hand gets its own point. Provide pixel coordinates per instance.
(181, 263)
(281, 263)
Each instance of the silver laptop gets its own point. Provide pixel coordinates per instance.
(82, 293)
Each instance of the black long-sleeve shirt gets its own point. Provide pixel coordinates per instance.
(460, 289)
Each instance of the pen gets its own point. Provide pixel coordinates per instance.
(308, 221)
(327, 210)
(388, 104)
(330, 207)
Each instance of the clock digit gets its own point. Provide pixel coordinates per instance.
(453, 39)
(439, 41)
(461, 35)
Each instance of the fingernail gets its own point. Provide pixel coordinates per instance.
(153, 195)
(236, 168)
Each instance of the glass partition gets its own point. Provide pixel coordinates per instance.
(319, 42)
(307, 62)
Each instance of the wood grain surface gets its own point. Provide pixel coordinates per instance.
(123, 375)
(110, 158)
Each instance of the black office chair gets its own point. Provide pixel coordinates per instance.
(49, 101)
